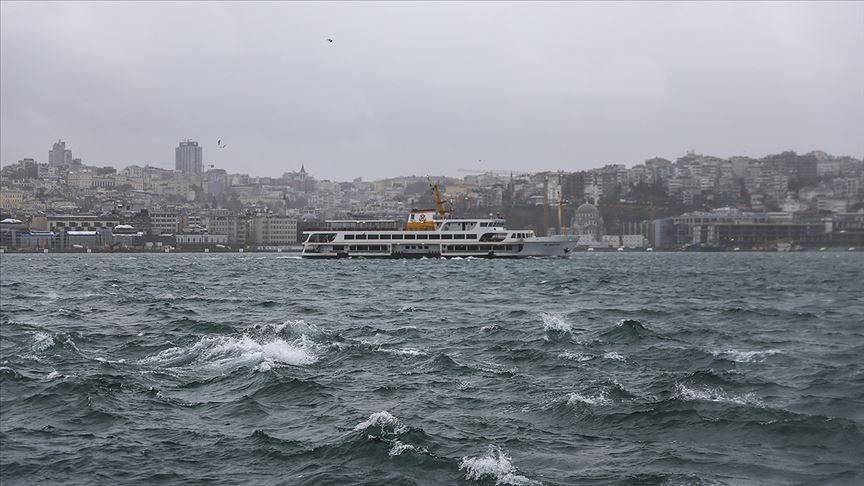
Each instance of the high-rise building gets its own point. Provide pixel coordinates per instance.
(188, 157)
(59, 154)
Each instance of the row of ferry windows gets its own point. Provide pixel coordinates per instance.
(457, 236)
(520, 235)
(426, 247)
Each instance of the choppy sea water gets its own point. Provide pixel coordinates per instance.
(603, 369)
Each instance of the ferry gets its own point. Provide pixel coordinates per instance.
(431, 233)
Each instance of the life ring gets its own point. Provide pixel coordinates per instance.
(422, 218)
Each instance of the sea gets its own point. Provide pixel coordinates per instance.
(604, 368)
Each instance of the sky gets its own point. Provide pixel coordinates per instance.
(422, 88)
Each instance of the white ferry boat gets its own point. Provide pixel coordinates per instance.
(431, 233)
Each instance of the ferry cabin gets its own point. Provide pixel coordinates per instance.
(423, 236)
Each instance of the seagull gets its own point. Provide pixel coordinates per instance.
(220, 144)
(329, 40)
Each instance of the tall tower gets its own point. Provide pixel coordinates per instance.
(188, 157)
(59, 154)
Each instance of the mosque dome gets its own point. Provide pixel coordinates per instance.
(587, 221)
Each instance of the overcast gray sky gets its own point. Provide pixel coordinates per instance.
(429, 88)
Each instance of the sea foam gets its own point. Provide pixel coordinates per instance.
(379, 419)
(552, 322)
(226, 353)
(42, 341)
(601, 398)
(709, 394)
(755, 356)
(494, 465)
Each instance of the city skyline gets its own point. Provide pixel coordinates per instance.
(200, 165)
(441, 87)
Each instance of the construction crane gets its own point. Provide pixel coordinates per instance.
(442, 207)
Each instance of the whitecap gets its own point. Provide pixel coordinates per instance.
(575, 356)
(54, 374)
(613, 355)
(495, 464)
(709, 394)
(42, 341)
(406, 352)
(226, 353)
(552, 322)
(399, 447)
(754, 356)
(597, 399)
(379, 419)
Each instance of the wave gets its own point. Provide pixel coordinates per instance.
(613, 355)
(555, 323)
(389, 429)
(399, 447)
(496, 466)
(414, 352)
(380, 419)
(716, 394)
(603, 393)
(42, 341)
(272, 346)
(575, 356)
(598, 399)
(754, 356)
(629, 331)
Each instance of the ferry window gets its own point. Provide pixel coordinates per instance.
(434, 237)
(459, 237)
(410, 237)
(372, 237)
(338, 247)
(360, 237)
(349, 237)
(352, 247)
(395, 237)
(446, 237)
(470, 237)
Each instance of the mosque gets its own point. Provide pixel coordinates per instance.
(587, 224)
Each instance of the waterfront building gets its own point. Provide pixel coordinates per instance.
(199, 240)
(166, 222)
(59, 223)
(189, 157)
(80, 240)
(272, 230)
(126, 236)
(10, 229)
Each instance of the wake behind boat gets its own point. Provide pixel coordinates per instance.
(431, 233)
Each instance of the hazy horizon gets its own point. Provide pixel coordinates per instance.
(429, 88)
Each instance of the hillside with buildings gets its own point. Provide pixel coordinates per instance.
(695, 201)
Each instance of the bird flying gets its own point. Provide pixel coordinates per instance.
(329, 40)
